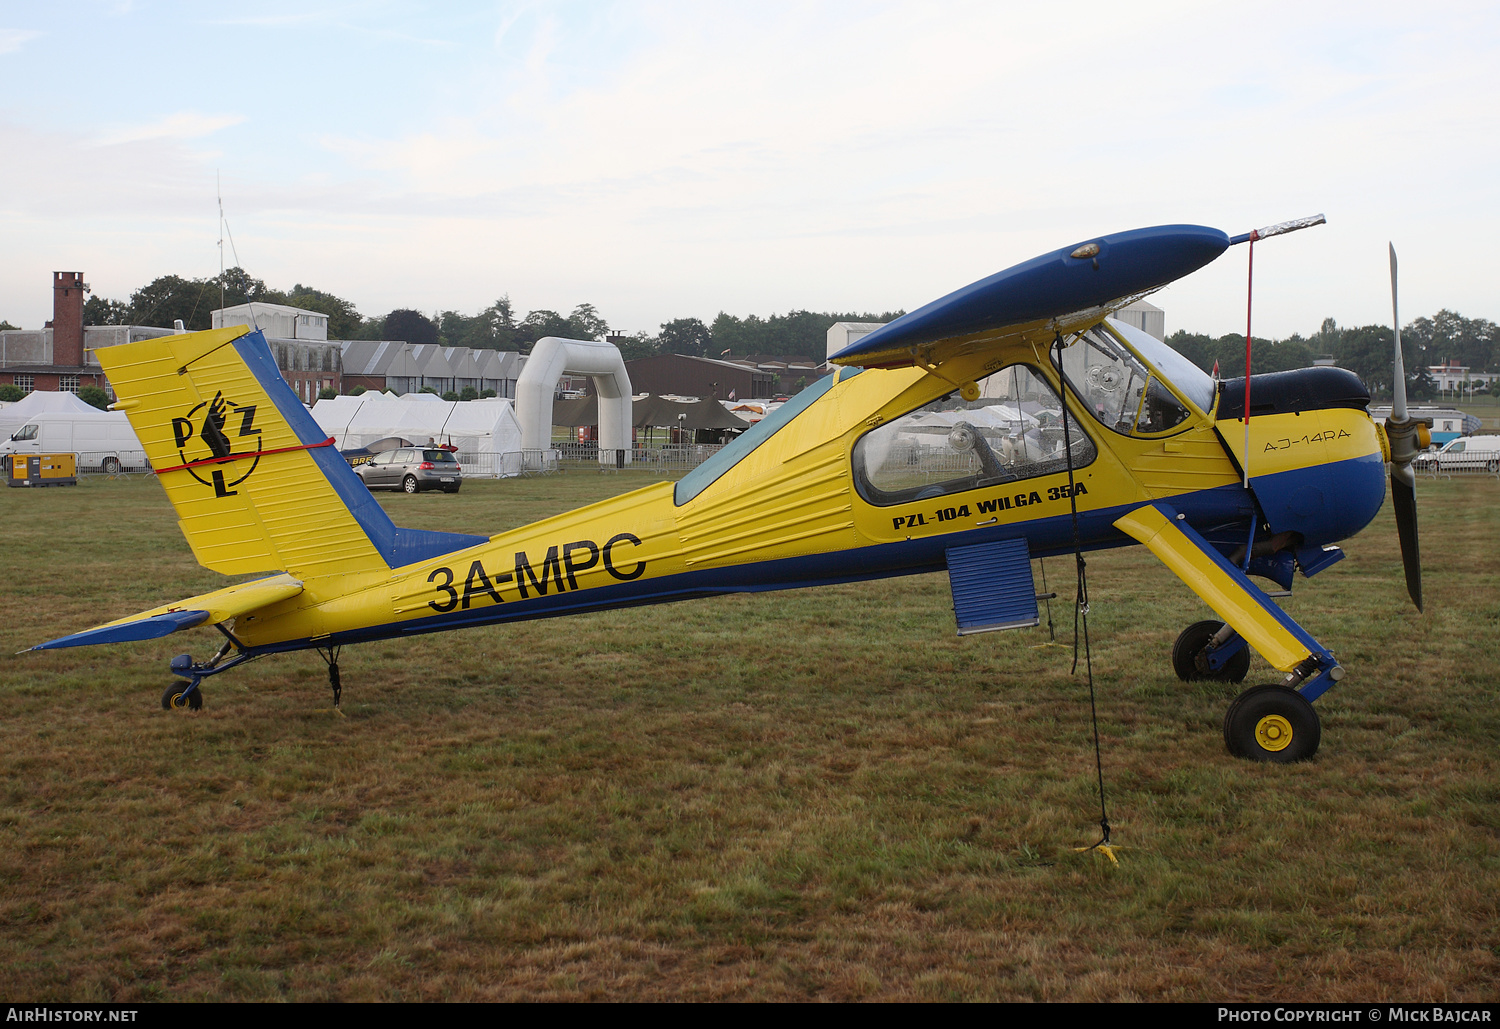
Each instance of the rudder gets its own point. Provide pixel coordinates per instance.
(256, 483)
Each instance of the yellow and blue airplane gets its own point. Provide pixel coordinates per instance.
(1011, 420)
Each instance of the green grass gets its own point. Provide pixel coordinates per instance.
(819, 794)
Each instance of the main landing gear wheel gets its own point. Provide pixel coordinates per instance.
(1272, 723)
(178, 699)
(1190, 656)
(409, 484)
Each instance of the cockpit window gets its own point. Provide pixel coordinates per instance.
(700, 478)
(1012, 431)
(1117, 389)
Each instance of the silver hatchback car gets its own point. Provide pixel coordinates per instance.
(413, 470)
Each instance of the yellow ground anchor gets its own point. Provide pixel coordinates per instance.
(1103, 847)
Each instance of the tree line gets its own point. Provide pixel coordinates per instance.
(498, 327)
(1365, 349)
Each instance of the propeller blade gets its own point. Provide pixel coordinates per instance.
(1407, 436)
(1398, 387)
(1404, 497)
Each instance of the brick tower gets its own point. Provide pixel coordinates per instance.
(67, 319)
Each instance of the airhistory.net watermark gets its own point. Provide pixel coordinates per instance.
(42, 1013)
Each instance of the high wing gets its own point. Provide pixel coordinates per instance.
(1066, 290)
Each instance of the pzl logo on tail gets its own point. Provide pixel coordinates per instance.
(210, 433)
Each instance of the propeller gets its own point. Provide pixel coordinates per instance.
(1408, 437)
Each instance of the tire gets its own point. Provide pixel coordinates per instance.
(1272, 724)
(1492, 467)
(111, 466)
(175, 700)
(409, 484)
(1193, 643)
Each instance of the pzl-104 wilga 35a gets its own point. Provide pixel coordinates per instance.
(1010, 420)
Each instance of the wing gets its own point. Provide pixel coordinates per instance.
(218, 606)
(1067, 289)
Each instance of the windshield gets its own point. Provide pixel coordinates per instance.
(1115, 387)
(28, 432)
(1191, 381)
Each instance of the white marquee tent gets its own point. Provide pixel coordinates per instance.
(482, 430)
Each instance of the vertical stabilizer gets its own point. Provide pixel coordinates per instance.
(256, 484)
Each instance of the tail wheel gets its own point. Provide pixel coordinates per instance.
(178, 699)
(409, 484)
(111, 466)
(1190, 653)
(1272, 723)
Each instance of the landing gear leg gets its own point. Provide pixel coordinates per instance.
(331, 655)
(189, 694)
(182, 695)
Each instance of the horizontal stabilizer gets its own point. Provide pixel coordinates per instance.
(151, 628)
(218, 606)
(1086, 280)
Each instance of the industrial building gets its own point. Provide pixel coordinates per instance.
(399, 367)
(1149, 318)
(681, 375)
(56, 358)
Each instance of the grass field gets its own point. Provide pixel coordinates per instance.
(819, 794)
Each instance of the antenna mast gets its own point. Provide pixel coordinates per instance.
(225, 230)
(219, 192)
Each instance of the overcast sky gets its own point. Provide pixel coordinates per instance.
(665, 160)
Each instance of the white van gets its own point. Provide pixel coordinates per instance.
(1467, 453)
(103, 442)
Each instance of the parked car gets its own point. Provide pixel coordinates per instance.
(412, 470)
(1466, 452)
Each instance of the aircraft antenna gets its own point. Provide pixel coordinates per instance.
(219, 192)
(227, 231)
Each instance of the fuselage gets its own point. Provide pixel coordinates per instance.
(800, 501)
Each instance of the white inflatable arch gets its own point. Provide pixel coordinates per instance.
(550, 360)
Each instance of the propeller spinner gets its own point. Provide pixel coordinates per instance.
(1408, 437)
